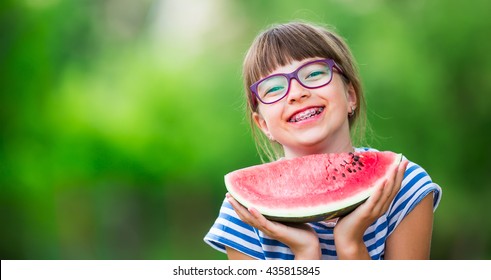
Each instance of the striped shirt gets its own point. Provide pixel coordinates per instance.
(229, 230)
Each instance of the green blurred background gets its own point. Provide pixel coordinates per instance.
(118, 119)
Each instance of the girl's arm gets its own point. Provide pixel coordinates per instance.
(412, 237)
(300, 238)
(236, 255)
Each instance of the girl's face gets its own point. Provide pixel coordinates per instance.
(309, 121)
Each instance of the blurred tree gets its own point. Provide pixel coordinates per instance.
(118, 119)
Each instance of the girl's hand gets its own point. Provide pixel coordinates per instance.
(348, 232)
(300, 238)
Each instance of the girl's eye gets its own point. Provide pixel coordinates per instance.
(316, 74)
(274, 89)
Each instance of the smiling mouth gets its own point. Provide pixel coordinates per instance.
(307, 114)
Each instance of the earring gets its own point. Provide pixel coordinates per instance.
(352, 113)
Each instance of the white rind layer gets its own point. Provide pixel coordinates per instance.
(312, 211)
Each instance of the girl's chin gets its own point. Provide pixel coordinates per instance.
(307, 144)
(316, 139)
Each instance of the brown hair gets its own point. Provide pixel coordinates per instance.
(279, 45)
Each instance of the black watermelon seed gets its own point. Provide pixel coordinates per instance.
(349, 170)
(361, 163)
(334, 177)
(359, 168)
(343, 174)
(356, 158)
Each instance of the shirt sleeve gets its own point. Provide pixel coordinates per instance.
(416, 185)
(229, 230)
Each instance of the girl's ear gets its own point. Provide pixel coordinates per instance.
(261, 123)
(351, 96)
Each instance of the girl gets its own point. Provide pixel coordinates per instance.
(304, 95)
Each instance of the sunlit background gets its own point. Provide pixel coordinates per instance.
(118, 119)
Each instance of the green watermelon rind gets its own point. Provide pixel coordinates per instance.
(314, 214)
(320, 217)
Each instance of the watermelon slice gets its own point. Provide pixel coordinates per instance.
(311, 188)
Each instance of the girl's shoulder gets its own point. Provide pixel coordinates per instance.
(416, 184)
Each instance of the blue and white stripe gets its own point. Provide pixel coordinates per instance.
(229, 230)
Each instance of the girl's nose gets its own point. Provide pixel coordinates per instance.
(297, 92)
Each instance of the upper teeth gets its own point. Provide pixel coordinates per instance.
(306, 114)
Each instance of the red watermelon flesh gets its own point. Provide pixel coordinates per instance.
(311, 188)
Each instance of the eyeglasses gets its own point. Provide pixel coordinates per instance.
(313, 74)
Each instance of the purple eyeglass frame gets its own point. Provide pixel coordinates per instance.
(294, 75)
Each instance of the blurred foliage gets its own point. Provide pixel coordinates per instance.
(120, 118)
